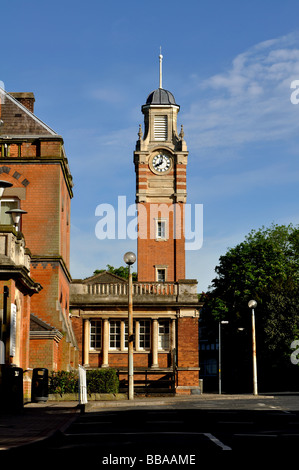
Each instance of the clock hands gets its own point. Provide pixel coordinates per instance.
(161, 163)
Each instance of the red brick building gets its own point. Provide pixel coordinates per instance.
(33, 160)
(16, 291)
(165, 304)
(85, 321)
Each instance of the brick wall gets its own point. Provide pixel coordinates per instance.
(46, 228)
(42, 353)
(187, 352)
(152, 252)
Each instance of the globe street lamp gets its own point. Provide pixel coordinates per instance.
(16, 216)
(252, 304)
(129, 259)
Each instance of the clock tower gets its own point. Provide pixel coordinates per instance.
(160, 161)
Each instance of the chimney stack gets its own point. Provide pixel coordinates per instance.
(26, 99)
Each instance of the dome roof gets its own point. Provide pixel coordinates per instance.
(161, 96)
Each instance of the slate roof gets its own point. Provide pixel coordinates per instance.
(17, 120)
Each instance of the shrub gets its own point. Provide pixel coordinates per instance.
(97, 381)
(63, 382)
(102, 381)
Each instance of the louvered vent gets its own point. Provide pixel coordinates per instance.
(160, 128)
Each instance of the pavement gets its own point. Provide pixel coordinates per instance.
(40, 420)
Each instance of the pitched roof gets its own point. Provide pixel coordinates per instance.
(104, 277)
(17, 120)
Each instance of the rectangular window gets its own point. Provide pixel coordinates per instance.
(161, 229)
(160, 128)
(114, 340)
(161, 274)
(163, 336)
(144, 334)
(95, 334)
(7, 204)
(126, 332)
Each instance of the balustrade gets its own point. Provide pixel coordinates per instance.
(139, 288)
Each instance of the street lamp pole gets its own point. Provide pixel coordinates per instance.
(130, 259)
(219, 353)
(252, 304)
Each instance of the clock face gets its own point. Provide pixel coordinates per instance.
(161, 163)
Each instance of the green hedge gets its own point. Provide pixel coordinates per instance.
(97, 381)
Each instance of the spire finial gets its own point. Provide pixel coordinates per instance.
(160, 76)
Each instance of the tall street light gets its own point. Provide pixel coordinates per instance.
(219, 352)
(129, 259)
(252, 304)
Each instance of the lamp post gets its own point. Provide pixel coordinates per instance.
(129, 259)
(252, 304)
(219, 352)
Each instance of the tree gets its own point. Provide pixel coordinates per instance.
(122, 271)
(264, 267)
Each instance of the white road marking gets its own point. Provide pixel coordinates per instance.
(149, 433)
(216, 441)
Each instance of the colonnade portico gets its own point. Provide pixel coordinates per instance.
(106, 351)
(165, 317)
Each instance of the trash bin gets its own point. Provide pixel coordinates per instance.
(12, 383)
(39, 385)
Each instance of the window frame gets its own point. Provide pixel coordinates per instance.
(116, 335)
(95, 335)
(9, 199)
(161, 229)
(159, 270)
(162, 335)
(144, 335)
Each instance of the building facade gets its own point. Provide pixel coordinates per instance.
(17, 289)
(33, 160)
(165, 304)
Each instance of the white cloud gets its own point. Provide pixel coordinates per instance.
(249, 102)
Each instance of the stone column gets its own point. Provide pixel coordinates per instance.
(86, 341)
(155, 326)
(105, 346)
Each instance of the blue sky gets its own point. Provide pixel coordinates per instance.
(229, 64)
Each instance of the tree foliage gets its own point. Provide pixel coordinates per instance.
(264, 267)
(122, 271)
